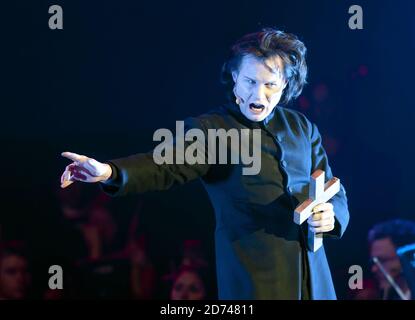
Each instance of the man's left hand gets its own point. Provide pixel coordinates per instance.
(322, 219)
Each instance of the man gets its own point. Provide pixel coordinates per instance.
(260, 252)
(384, 240)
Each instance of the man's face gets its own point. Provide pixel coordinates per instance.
(259, 85)
(14, 277)
(385, 250)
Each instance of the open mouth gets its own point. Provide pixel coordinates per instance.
(256, 108)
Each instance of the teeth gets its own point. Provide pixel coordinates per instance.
(256, 107)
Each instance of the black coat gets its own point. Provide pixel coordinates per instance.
(260, 251)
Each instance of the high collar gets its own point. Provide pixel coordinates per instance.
(269, 124)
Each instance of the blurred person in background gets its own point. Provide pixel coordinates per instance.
(15, 277)
(99, 232)
(384, 239)
(143, 274)
(188, 284)
(193, 254)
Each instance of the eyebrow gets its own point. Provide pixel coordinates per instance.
(272, 81)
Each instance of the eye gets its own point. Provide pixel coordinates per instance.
(250, 81)
(272, 85)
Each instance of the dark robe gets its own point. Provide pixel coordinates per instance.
(260, 251)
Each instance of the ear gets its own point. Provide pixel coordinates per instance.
(234, 76)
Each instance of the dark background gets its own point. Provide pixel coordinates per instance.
(122, 69)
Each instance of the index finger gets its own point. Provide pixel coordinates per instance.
(72, 156)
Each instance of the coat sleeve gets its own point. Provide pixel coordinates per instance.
(339, 201)
(140, 173)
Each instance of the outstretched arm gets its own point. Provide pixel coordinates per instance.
(140, 173)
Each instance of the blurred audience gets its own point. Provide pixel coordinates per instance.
(104, 253)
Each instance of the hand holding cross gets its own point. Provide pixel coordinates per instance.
(317, 210)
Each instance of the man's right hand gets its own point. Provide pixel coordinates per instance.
(84, 169)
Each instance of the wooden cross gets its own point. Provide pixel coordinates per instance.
(319, 192)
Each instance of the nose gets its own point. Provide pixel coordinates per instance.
(259, 95)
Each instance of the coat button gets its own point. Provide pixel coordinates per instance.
(290, 190)
(279, 139)
(283, 163)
